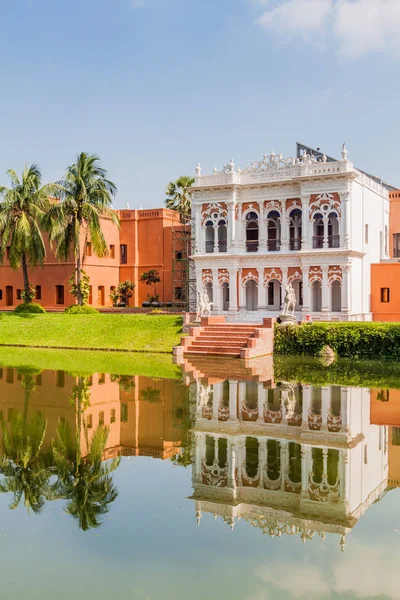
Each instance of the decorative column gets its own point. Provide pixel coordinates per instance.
(231, 225)
(215, 306)
(305, 465)
(306, 406)
(197, 228)
(306, 291)
(325, 406)
(261, 402)
(284, 229)
(262, 231)
(325, 289)
(284, 461)
(345, 407)
(242, 397)
(261, 299)
(231, 463)
(326, 243)
(305, 222)
(233, 290)
(242, 293)
(284, 283)
(240, 444)
(346, 291)
(216, 246)
(233, 398)
(262, 454)
(216, 401)
(199, 282)
(345, 219)
(199, 453)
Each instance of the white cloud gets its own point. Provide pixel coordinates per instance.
(354, 27)
(362, 571)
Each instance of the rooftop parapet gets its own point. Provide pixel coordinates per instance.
(274, 167)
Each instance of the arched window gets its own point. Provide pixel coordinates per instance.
(274, 231)
(222, 236)
(295, 229)
(274, 295)
(273, 460)
(209, 236)
(225, 296)
(252, 232)
(333, 231)
(251, 457)
(209, 289)
(294, 462)
(318, 231)
(222, 452)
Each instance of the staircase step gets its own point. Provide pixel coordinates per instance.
(213, 352)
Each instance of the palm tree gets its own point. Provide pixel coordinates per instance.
(24, 468)
(86, 196)
(84, 480)
(22, 210)
(179, 196)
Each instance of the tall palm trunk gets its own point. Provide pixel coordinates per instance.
(27, 288)
(78, 272)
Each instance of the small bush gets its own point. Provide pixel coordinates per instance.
(156, 311)
(29, 307)
(348, 340)
(81, 310)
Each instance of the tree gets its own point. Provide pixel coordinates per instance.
(22, 212)
(82, 478)
(179, 195)
(122, 293)
(24, 467)
(85, 197)
(151, 277)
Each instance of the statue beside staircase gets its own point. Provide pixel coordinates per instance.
(289, 304)
(203, 305)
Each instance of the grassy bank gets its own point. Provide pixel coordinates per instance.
(348, 340)
(343, 372)
(135, 333)
(81, 362)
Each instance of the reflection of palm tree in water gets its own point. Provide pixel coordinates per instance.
(84, 481)
(25, 469)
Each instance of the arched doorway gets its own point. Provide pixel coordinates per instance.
(298, 290)
(251, 295)
(225, 296)
(209, 289)
(274, 295)
(336, 292)
(316, 295)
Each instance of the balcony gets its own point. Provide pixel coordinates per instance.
(274, 245)
(295, 244)
(222, 246)
(252, 246)
(333, 241)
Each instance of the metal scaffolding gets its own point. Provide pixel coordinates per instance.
(183, 269)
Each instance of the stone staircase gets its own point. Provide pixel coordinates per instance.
(215, 337)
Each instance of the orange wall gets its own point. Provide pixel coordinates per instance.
(385, 275)
(148, 237)
(385, 407)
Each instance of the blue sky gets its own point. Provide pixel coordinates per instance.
(153, 86)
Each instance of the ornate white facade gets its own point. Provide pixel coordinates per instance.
(316, 224)
(296, 460)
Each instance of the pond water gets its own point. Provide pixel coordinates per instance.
(228, 481)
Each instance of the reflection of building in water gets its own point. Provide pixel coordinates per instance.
(142, 414)
(385, 410)
(289, 459)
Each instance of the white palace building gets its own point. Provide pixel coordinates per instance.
(312, 221)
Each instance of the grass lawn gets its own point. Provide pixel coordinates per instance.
(135, 333)
(80, 362)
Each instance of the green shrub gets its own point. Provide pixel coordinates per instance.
(156, 311)
(81, 310)
(30, 307)
(347, 340)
